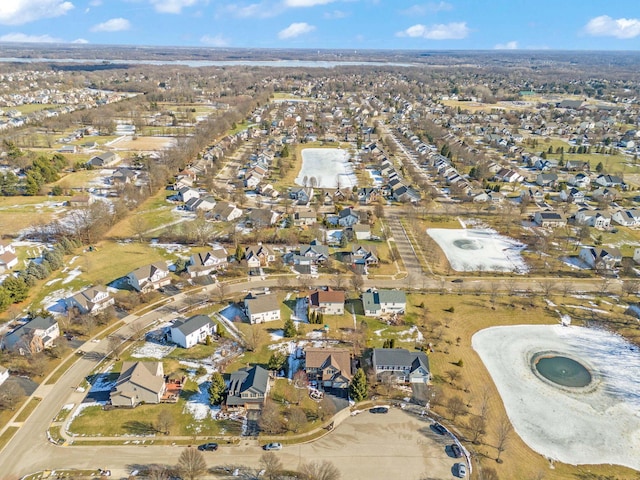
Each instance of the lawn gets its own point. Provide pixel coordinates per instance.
(19, 213)
(28, 409)
(141, 421)
(153, 213)
(450, 333)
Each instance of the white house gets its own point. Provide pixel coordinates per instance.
(8, 258)
(150, 277)
(600, 258)
(627, 218)
(92, 300)
(192, 331)
(204, 263)
(262, 308)
(383, 302)
(593, 218)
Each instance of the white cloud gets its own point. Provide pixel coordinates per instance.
(424, 9)
(253, 10)
(512, 45)
(215, 41)
(172, 6)
(81, 41)
(295, 30)
(23, 38)
(306, 3)
(440, 31)
(335, 15)
(18, 12)
(605, 26)
(113, 25)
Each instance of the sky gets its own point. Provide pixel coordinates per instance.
(329, 24)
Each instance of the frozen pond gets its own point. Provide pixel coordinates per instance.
(470, 250)
(595, 424)
(329, 167)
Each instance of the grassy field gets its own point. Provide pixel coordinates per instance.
(153, 213)
(141, 421)
(18, 213)
(7, 435)
(450, 333)
(35, 107)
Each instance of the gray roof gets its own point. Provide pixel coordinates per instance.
(399, 357)
(254, 379)
(262, 303)
(192, 324)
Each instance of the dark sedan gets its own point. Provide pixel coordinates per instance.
(208, 447)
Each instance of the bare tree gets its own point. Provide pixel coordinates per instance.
(456, 407)
(270, 420)
(158, 472)
(115, 345)
(503, 434)
(296, 419)
(191, 464)
(453, 375)
(271, 464)
(356, 282)
(137, 330)
(164, 422)
(324, 470)
(10, 395)
(477, 426)
(547, 287)
(254, 339)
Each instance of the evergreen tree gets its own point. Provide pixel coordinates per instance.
(358, 387)
(239, 253)
(290, 328)
(277, 361)
(217, 388)
(599, 167)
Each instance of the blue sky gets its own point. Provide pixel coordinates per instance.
(352, 24)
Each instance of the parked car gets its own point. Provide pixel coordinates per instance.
(461, 470)
(379, 410)
(208, 447)
(439, 428)
(456, 450)
(273, 446)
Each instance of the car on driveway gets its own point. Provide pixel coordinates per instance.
(208, 447)
(273, 446)
(439, 428)
(379, 410)
(456, 450)
(461, 470)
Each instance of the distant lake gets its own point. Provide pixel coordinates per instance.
(213, 63)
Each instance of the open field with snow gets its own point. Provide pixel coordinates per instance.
(144, 143)
(595, 425)
(470, 250)
(329, 166)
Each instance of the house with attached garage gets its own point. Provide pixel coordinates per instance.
(150, 277)
(90, 301)
(193, 330)
(580, 180)
(327, 302)
(32, 337)
(627, 218)
(186, 193)
(601, 258)
(262, 308)
(224, 212)
(304, 218)
(383, 302)
(610, 181)
(301, 196)
(572, 195)
(103, 160)
(549, 219)
(248, 388)
(329, 367)
(139, 382)
(203, 263)
(593, 218)
(400, 365)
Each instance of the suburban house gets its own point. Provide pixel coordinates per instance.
(8, 257)
(550, 219)
(580, 180)
(139, 382)
(225, 212)
(400, 365)
(186, 193)
(203, 204)
(547, 179)
(361, 231)
(383, 302)
(259, 256)
(4, 374)
(193, 330)
(627, 218)
(92, 300)
(106, 159)
(248, 388)
(601, 258)
(262, 217)
(32, 337)
(361, 255)
(572, 195)
(593, 218)
(204, 263)
(80, 200)
(610, 181)
(317, 252)
(327, 302)
(301, 196)
(348, 217)
(304, 218)
(329, 367)
(262, 308)
(150, 277)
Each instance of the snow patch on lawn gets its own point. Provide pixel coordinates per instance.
(328, 166)
(413, 333)
(152, 350)
(198, 405)
(276, 335)
(103, 382)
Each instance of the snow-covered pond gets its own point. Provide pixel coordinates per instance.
(329, 167)
(596, 424)
(470, 250)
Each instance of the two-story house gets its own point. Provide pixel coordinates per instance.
(329, 367)
(248, 388)
(262, 308)
(400, 365)
(204, 263)
(32, 337)
(91, 300)
(384, 302)
(149, 277)
(327, 302)
(193, 330)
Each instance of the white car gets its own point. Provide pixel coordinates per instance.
(273, 446)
